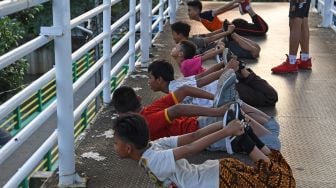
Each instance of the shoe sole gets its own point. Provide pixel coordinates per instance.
(229, 139)
(280, 72)
(227, 80)
(224, 56)
(305, 68)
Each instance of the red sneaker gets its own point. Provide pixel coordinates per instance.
(304, 64)
(243, 5)
(286, 67)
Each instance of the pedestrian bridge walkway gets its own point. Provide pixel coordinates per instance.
(306, 108)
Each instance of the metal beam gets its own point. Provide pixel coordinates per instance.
(8, 7)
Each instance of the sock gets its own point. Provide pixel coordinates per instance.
(254, 137)
(246, 143)
(304, 56)
(292, 59)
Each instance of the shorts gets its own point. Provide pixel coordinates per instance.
(237, 50)
(299, 9)
(272, 140)
(199, 42)
(191, 81)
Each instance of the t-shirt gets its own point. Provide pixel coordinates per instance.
(163, 170)
(191, 81)
(190, 67)
(160, 125)
(212, 23)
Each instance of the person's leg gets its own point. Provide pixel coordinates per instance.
(305, 60)
(255, 114)
(214, 72)
(247, 44)
(258, 27)
(304, 40)
(295, 26)
(265, 94)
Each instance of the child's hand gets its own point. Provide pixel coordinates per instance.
(235, 128)
(231, 28)
(233, 64)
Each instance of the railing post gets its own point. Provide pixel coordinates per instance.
(131, 41)
(107, 52)
(85, 116)
(144, 34)
(313, 5)
(48, 158)
(18, 118)
(327, 14)
(161, 17)
(39, 98)
(87, 63)
(65, 118)
(172, 11)
(150, 18)
(75, 71)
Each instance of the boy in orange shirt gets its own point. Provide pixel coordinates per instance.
(211, 21)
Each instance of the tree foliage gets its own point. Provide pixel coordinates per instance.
(13, 32)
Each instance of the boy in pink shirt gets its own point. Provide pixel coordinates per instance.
(190, 65)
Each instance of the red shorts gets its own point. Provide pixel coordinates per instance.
(159, 123)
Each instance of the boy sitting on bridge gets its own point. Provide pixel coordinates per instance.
(210, 20)
(164, 159)
(161, 78)
(251, 88)
(240, 46)
(166, 117)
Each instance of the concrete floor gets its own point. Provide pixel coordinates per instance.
(305, 109)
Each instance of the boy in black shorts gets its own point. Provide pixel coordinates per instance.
(239, 45)
(299, 35)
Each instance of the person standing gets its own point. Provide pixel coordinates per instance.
(299, 36)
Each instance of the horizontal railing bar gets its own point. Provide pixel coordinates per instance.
(33, 161)
(120, 43)
(87, 15)
(21, 51)
(11, 104)
(11, 6)
(118, 66)
(113, 2)
(156, 8)
(89, 45)
(11, 146)
(80, 109)
(88, 74)
(156, 23)
(120, 21)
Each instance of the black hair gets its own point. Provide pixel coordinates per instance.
(124, 100)
(196, 4)
(188, 48)
(162, 68)
(181, 28)
(132, 128)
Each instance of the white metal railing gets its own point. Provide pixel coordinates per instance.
(60, 33)
(327, 8)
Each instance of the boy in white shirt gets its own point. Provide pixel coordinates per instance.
(165, 163)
